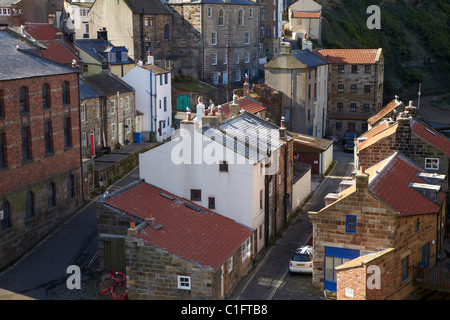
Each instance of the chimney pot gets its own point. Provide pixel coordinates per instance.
(132, 224)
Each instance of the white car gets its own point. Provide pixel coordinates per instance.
(301, 260)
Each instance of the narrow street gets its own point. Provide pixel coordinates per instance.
(270, 279)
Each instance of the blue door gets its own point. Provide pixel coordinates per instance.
(335, 257)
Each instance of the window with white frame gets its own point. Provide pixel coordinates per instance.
(128, 125)
(230, 265)
(83, 12)
(97, 107)
(113, 131)
(86, 28)
(221, 17)
(241, 17)
(184, 282)
(83, 140)
(209, 12)
(214, 59)
(237, 57)
(112, 56)
(99, 137)
(237, 75)
(214, 38)
(214, 78)
(113, 106)
(274, 15)
(432, 163)
(247, 37)
(124, 56)
(83, 112)
(245, 249)
(5, 11)
(247, 57)
(127, 103)
(250, 13)
(224, 58)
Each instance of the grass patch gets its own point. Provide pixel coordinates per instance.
(330, 168)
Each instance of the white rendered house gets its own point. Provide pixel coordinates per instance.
(153, 99)
(221, 168)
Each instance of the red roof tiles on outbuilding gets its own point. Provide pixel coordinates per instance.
(245, 103)
(205, 237)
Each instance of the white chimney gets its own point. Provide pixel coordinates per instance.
(150, 58)
(200, 110)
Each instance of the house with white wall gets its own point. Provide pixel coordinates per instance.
(235, 168)
(78, 14)
(153, 86)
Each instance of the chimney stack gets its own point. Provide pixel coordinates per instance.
(102, 34)
(282, 129)
(246, 86)
(411, 109)
(200, 109)
(234, 107)
(362, 182)
(150, 220)
(150, 59)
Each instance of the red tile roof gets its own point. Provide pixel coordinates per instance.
(46, 31)
(351, 56)
(207, 238)
(381, 131)
(431, 136)
(306, 14)
(392, 186)
(383, 112)
(245, 103)
(58, 52)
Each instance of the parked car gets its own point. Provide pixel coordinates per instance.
(349, 146)
(301, 260)
(349, 136)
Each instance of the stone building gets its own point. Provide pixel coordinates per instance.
(355, 88)
(40, 165)
(204, 29)
(393, 212)
(270, 27)
(139, 25)
(171, 248)
(302, 78)
(118, 109)
(425, 146)
(305, 20)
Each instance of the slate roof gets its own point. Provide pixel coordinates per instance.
(95, 48)
(202, 236)
(309, 58)
(24, 64)
(350, 56)
(147, 6)
(108, 84)
(87, 91)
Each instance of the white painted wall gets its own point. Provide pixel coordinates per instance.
(327, 158)
(139, 79)
(320, 107)
(301, 189)
(236, 192)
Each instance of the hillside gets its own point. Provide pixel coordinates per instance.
(414, 35)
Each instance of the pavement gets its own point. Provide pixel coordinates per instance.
(268, 273)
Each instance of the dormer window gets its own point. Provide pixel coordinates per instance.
(124, 56)
(112, 57)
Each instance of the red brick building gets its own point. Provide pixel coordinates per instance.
(392, 217)
(40, 175)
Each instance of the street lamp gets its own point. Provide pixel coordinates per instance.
(101, 182)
